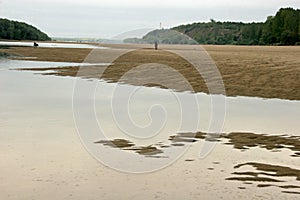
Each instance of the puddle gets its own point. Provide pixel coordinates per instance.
(261, 175)
(267, 175)
(126, 145)
(241, 141)
(244, 141)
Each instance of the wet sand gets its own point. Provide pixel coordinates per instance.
(268, 72)
(262, 175)
(42, 156)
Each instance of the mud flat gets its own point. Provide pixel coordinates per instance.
(268, 72)
(42, 157)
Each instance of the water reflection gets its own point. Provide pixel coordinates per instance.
(50, 45)
(252, 114)
(241, 141)
(245, 141)
(262, 175)
(148, 151)
(272, 143)
(267, 175)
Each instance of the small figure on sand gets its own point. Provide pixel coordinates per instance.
(156, 45)
(35, 44)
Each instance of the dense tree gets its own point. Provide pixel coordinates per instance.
(282, 29)
(13, 30)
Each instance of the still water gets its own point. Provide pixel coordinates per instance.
(50, 45)
(38, 109)
(243, 114)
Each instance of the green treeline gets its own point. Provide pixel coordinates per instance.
(282, 29)
(13, 30)
(223, 32)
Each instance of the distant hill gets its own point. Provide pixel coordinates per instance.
(282, 29)
(13, 30)
(223, 32)
(165, 36)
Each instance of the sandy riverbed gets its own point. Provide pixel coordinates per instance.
(268, 72)
(257, 156)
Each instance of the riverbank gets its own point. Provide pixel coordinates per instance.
(256, 71)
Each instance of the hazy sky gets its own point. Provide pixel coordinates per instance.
(107, 18)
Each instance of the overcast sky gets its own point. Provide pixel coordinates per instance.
(107, 18)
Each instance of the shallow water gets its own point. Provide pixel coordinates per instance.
(33, 106)
(243, 114)
(51, 45)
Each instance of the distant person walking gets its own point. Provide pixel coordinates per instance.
(156, 45)
(35, 44)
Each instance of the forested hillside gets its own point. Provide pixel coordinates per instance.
(223, 32)
(281, 29)
(13, 30)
